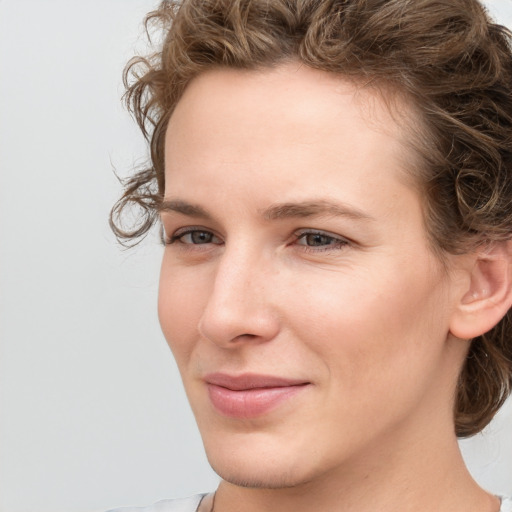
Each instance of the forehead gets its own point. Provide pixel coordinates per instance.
(235, 103)
(291, 124)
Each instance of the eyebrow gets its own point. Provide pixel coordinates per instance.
(190, 210)
(277, 211)
(313, 209)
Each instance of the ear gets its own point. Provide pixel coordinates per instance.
(487, 294)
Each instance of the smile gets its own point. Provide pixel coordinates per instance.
(250, 395)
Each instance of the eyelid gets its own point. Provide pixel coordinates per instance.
(311, 231)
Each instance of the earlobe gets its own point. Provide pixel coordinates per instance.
(488, 296)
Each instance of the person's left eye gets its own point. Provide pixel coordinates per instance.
(320, 241)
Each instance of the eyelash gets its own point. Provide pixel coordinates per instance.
(334, 242)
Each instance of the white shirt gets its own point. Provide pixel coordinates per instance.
(191, 504)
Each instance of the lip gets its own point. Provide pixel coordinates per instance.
(250, 395)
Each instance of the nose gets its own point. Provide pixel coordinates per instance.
(240, 306)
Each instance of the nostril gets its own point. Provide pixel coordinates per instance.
(232, 315)
(245, 337)
(236, 329)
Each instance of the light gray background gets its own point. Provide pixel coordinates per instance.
(92, 410)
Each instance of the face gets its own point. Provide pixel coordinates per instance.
(307, 314)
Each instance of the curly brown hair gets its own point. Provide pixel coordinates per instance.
(447, 56)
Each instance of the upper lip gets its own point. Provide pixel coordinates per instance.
(250, 381)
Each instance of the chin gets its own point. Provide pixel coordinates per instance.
(258, 477)
(266, 464)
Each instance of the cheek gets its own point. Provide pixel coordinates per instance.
(371, 326)
(181, 301)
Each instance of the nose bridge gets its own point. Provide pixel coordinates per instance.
(239, 306)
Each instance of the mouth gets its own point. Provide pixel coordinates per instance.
(250, 395)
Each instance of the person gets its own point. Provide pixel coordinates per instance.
(333, 182)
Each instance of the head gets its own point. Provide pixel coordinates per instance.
(442, 70)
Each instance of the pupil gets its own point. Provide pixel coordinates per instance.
(316, 240)
(201, 237)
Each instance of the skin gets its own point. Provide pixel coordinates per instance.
(348, 297)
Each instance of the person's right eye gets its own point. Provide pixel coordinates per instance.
(194, 236)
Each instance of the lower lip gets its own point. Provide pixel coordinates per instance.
(250, 403)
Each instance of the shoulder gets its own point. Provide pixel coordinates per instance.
(506, 504)
(189, 504)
